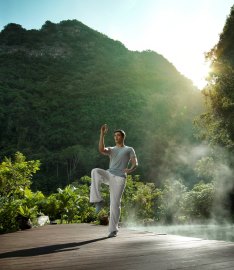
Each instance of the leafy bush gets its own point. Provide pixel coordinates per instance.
(51, 207)
(140, 201)
(8, 214)
(15, 176)
(15, 180)
(198, 202)
(171, 201)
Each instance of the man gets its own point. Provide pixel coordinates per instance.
(120, 155)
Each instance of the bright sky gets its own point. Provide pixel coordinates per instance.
(180, 30)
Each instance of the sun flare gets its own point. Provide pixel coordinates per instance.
(197, 72)
(200, 74)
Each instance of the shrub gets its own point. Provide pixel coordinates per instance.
(198, 202)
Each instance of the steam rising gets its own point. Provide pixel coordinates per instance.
(210, 165)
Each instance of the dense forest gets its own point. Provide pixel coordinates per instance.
(60, 83)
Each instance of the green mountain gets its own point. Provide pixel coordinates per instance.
(59, 84)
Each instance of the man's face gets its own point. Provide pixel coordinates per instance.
(118, 137)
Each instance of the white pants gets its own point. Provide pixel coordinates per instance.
(116, 186)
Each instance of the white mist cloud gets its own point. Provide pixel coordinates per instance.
(189, 155)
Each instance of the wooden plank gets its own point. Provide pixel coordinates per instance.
(85, 246)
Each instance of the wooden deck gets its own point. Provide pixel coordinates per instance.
(85, 246)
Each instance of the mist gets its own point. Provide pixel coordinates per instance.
(198, 208)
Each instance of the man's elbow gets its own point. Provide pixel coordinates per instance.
(136, 163)
(102, 151)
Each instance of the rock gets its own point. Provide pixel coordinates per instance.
(42, 220)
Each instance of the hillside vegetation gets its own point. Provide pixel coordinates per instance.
(60, 83)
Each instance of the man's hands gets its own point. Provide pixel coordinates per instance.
(130, 170)
(134, 164)
(127, 171)
(104, 129)
(102, 149)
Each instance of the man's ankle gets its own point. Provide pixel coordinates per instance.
(99, 206)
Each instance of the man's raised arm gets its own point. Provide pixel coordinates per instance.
(101, 147)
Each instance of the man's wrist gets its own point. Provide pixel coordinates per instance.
(131, 169)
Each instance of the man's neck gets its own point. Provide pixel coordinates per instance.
(119, 144)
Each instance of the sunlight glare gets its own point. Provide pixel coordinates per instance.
(197, 73)
(186, 44)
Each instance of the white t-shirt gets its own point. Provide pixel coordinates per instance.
(119, 159)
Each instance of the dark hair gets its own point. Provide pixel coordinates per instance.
(120, 131)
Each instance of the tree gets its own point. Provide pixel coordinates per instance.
(216, 124)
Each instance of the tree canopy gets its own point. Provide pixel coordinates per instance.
(216, 123)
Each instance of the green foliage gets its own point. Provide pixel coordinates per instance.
(102, 217)
(72, 205)
(16, 199)
(16, 175)
(140, 201)
(205, 168)
(60, 83)
(171, 201)
(8, 214)
(216, 124)
(26, 212)
(198, 202)
(68, 203)
(51, 207)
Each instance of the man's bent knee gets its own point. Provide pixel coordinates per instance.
(94, 171)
